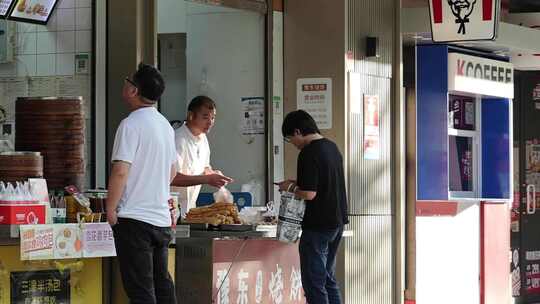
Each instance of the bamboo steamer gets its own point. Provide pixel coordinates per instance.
(56, 128)
(20, 166)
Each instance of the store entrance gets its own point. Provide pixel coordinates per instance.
(219, 52)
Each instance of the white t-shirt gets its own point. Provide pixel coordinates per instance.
(193, 153)
(145, 139)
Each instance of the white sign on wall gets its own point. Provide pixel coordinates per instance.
(464, 20)
(314, 95)
(478, 75)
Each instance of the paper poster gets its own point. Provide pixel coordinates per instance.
(67, 241)
(253, 115)
(532, 163)
(371, 127)
(37, 242)
(314, 95)
(98, 240)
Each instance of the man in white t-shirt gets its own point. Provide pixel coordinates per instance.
(143, 165)
(193, 153)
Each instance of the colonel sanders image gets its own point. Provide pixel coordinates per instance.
(462, 9)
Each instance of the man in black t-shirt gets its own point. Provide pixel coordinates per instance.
(321, 183)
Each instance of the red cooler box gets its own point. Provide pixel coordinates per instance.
(22, 214)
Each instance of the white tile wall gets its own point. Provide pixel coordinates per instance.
(66, 4)
(65, 64)
(83, 42)
(26, 65)
(46, 65)
(83, 17)
(25, 27)
(46, 42)
(27, 44)
(49, 50)
(43, 51)
(65, 19)
(83, 3)
(50, 27)
(65, 42)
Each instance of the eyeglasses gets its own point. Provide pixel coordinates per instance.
(287, 139)
(131, 82)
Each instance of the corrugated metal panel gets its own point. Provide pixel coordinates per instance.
(369, 180)
(369, 261)
(375, 19)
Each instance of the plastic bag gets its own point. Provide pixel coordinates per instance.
(250, 216)
(223, 196)
(291, 214)
(255, 188)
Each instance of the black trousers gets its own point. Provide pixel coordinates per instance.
(142, 250)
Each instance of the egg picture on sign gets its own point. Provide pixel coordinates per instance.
(67, 242)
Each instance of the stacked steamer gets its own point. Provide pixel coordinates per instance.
(20, 166)
(55, 127)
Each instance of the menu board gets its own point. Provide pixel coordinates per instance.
(66, 241)
(33, 11)
(5, 5)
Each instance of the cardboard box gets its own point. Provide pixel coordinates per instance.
(22, 214)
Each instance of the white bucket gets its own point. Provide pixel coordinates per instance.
(291, 213)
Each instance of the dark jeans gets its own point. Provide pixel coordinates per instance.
(318, 265)
(142, 251)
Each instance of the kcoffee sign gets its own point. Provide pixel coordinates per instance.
(476, 75)
(464, 20)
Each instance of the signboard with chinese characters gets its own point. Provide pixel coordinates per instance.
(66, 241)
(43, 286)
(98, 240)
(265, 271)
(314, 95)
(371, 127)
(532, 272)
(464, 20)
(37, 242)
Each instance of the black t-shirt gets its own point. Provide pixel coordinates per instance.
(320, 169)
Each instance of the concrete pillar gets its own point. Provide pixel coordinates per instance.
(132, 38)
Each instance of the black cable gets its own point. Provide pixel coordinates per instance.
(230, 267)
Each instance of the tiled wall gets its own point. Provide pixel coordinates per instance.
(50, 50)
(44, 63)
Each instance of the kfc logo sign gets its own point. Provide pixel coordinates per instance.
(464, 20)
(462, 9)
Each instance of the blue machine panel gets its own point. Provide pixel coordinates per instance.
(241, 199)
(432, 122)
(496, 148)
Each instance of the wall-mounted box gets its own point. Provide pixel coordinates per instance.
(7, 40)
(464, 133)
